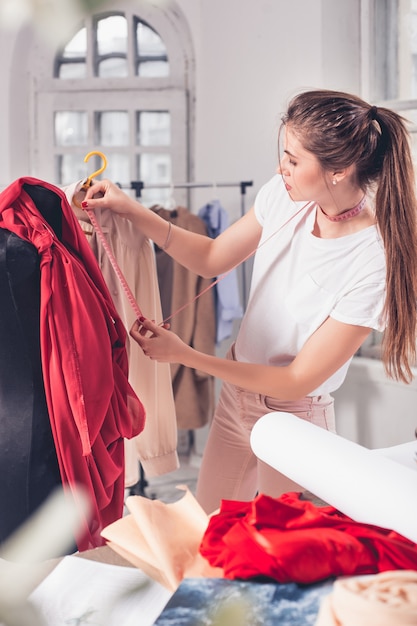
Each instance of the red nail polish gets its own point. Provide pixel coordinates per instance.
(141, 319)
(84, 204)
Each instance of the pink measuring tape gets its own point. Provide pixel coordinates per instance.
(126, 287)
(115, 266)
(118, 271)
(85, 185)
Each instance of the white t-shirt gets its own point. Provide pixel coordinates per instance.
(299, 280)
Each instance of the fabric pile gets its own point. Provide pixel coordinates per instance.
(290, 539)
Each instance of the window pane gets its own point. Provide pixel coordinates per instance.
(118, 169)
(72, 70)
(153, 128)
(71, 128)
(153, 69)
(149, 43)
(154, 168)
(113, 128)
(77, 47)
(71, 63)
(151, 54)
(112, 35)
(70, 168)
(114, 67)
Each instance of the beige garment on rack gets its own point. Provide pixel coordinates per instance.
(156, 446)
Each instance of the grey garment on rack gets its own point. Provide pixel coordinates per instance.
(228, 305)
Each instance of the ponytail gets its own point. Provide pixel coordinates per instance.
(396, 216)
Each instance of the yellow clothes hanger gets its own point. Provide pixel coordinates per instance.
(85, 185)
(89, 180)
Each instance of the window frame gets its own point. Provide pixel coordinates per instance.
(48, 102)
(385, 58)
(173, 93)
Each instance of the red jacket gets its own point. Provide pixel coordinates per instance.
(91, 405)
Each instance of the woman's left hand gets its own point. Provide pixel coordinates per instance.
(158, 342)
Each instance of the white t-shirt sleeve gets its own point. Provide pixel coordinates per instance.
(362, 306)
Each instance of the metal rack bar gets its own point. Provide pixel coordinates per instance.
(138, 185)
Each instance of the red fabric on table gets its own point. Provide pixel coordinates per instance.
(292, 540)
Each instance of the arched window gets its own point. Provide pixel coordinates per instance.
(116, 86)
(110, 38)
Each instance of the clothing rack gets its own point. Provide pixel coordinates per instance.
(138, 186)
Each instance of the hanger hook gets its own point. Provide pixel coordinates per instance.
(89, 180)
(100, 170)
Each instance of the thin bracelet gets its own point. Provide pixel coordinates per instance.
(167, 240)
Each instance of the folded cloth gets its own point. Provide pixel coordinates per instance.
(384, 599)
(292, 540)
(162, 539)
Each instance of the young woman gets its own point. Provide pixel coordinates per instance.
(336, 256)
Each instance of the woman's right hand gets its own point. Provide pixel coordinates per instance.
(158, 342)
(103, 194)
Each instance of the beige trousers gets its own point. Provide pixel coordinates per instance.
(229, 469)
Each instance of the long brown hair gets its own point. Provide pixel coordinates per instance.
(342, 130)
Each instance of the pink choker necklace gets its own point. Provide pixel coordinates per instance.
(346, 215)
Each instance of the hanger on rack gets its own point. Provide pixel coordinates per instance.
(85, 185)
(87, 182)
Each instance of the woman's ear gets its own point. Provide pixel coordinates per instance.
(339, 175)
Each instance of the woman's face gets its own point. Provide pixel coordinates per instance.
(303, 176)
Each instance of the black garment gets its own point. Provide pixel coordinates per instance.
(28, 463)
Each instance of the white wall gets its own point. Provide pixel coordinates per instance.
(372, 409)
(6, 53)
(250, 56)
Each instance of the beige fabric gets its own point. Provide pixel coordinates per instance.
(385, 599)
(163, 539)
(156, 446)
(196, 325)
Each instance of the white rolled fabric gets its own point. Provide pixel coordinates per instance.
(368, 487)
